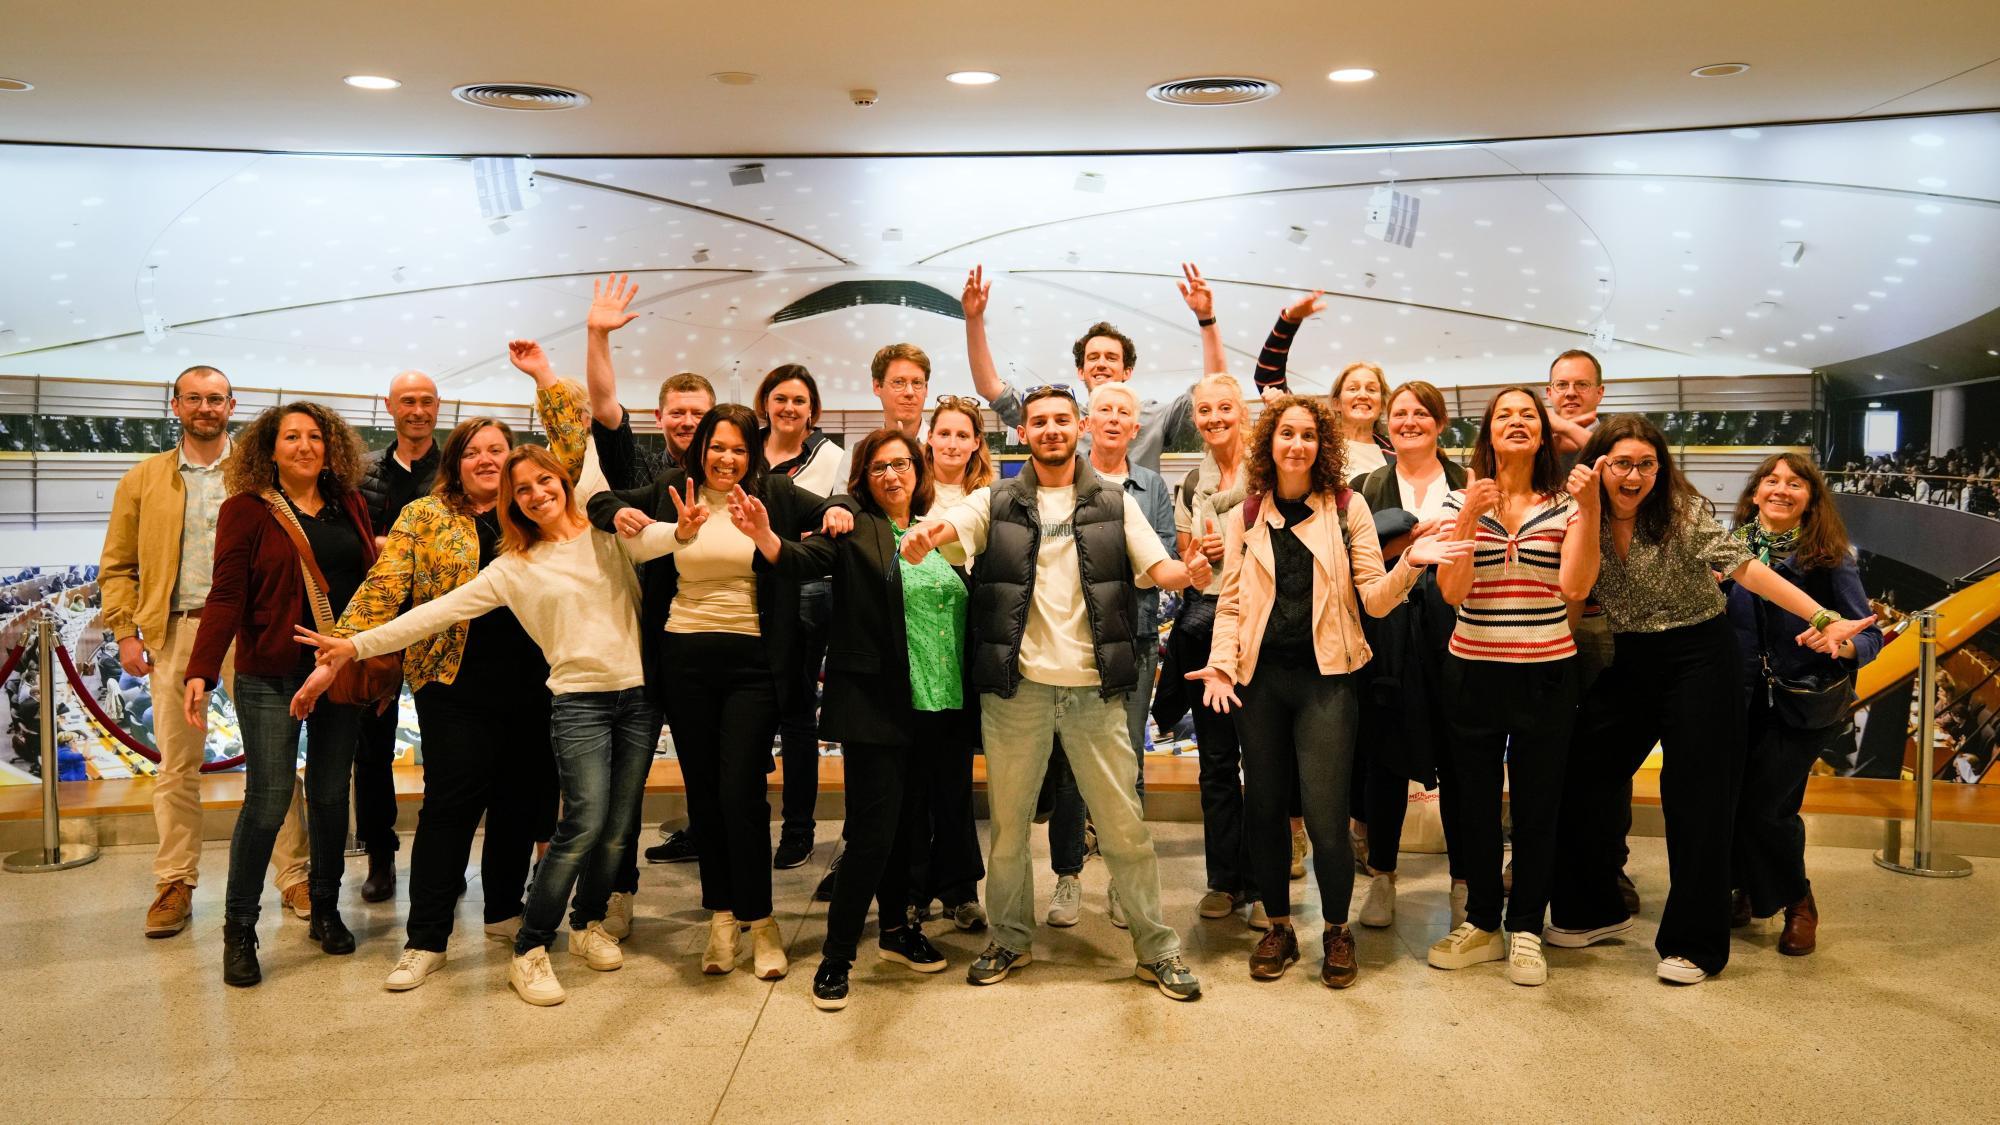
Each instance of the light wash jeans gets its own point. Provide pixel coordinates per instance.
(1019, 733)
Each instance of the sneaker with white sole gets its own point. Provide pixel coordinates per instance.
(1171, 976)
(967, 915)
(534, 978)
(1460, 894)
(1466, 946)
(720, 955)
(1260, 919)
(1298, 870)
(1115, 910)
(993, 965)
(1378, 908)
(618, 915)
(767, 949)
(411, 969)
(1525, 963)
(504, 930)
(1066, 905)
(596, 948)
(1582, 939)
(1218, 904)
(1680, 970)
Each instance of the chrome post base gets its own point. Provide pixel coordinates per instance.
(60, 859)
(1931, 865)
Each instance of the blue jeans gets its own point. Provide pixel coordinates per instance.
(1066, 822)
(270, 769)
(603, 743)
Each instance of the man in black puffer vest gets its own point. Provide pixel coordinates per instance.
(1054, 618)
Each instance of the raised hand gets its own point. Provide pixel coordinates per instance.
(333, 651)
(1299, 310)
(527, 357)
(1582, 484)
(690, 513)
(1572, 434)
(1432, 550)
(310, 691)
(748, 514)
(1200, 573)
(837, 522)
(977, 291)
(609, 301)
(631, 521)
(1218, 690)
(194, 705)
(1199, 297)
(1481, 497)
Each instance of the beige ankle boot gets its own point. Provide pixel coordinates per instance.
(767, 949)
(720, 956)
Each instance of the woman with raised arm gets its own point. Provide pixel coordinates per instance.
(1510, 677)
(1675, 680)
(480, 686)
(572, 589)
(292, 543)
(1301, 553)
(1799, 697)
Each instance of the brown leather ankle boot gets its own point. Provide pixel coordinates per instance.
(1801, 928)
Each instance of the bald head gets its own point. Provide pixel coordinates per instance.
(413, 403)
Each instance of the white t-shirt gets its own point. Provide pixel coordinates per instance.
(1362, 457)
(1056, 648)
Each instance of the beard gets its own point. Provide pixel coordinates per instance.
(205, 429)
(1046, 456)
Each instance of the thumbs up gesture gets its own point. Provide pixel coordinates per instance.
(1582, 485)
(1210, 542)
(1481, 497)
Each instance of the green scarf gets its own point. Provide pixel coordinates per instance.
(1765, 544)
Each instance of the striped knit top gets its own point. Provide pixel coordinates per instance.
(1516, 610)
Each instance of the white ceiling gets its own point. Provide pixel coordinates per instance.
(230, 74)
(282, 269)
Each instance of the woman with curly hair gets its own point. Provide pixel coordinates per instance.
(1301, 553)
(293, 478)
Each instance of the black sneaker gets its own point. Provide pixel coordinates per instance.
(994, 964)
(678, 847)
(830, 986)
(794, 848)
(908, 945)
(824, 892)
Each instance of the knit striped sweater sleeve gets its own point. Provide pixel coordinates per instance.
(1515, 610)
(1277, 351)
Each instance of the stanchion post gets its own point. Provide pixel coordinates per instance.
(1924, 860)
(51, 856)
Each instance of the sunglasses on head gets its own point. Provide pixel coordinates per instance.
(1048, 390)
(959, 402)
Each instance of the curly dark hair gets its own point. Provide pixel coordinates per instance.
(1329, 470)
(1104, 329)
(251, 467)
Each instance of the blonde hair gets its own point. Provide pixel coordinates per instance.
(1225, 383)
(979, 471)
(1114, 388)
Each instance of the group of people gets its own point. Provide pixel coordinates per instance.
(1966, 479)
(1359, 612)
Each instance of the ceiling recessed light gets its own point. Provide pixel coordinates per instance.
(1719, 70)
(1929, 209)
(972, 77)
(1791, 224)
(1927, 140)
(1932, 182)
(1746, 134)
(370, 82)
(1351, 74)
(1624, 165)
(1875, 405)
(15, 86)
(1920, 238)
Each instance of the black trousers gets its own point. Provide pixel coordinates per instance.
(1683, 689)
(1770, 859)
(374, 785)
(798, 728)
(944, 858)
(1221, 761)
(1510, 722)
(1298, 730)
(723, 710)
(885, 808)
(486, 753)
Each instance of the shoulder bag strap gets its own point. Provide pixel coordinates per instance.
(322, 609)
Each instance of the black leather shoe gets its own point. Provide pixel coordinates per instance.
(794, 848)
(908, 945)
(678, 847)
(239, 954)
(830, 986)
(380, 886)
(329, 931)
(1628, 893)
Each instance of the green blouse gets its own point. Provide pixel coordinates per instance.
(934, 620)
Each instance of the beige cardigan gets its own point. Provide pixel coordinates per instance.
(1250, 584)
(142, 548)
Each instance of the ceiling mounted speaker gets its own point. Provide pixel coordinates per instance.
(526, 97)
(1213, 91)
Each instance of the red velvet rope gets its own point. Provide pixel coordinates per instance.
(13, 661)
(118, 732)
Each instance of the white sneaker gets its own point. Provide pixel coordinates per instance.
(767, 949)
(1466, 946)
(596, 948)
(1581, 939)
(1378, 909)
(505, 930)
(1066, 905)
(1525, 963)
(411, 969)
(1115, 910)
(618, 915)
(720, 956)
(1260, 919)
(1460, 894)
(1680, 970)
(535, 979)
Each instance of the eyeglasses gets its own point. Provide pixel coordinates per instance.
(1625, 467)
(193, 401)
(905, 386)
(1048, 390)
(1566, 386)
(898, 466)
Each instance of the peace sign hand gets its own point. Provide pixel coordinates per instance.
(1199, 297)
(609, 298)
(689, 514)
(749, 514)
(977, 291)
(1582, 484)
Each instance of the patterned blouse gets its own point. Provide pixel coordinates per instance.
(1657, 588)
(934, 618)
(433, 550)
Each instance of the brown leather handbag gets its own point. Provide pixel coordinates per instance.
(370, 683)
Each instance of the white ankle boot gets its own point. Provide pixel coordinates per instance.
(720, 956)
(767, 949)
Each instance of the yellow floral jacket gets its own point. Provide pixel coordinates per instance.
(433, 550)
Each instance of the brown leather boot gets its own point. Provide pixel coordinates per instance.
(1275, 953)
(1739, 910)
(1338, 970)
(380, 886)
(1801, 934)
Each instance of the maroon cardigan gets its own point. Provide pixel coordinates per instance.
(257, 593)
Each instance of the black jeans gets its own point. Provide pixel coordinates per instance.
(374, 785)
(1683, 689)
(722, 709)
(1298, 731)
(798, 727)
(885, 807)
(1511, 722)
(271, 757)
(1770, 860)
(1221, 761)
(944, 853)
(486, 753)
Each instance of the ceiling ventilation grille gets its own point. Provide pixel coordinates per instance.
(1213, 91)
(526, 97)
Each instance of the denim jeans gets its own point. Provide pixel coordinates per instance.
(1019, 733)
(1066, 822)
(271, 755)
(603, 743)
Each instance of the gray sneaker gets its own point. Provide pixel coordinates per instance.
(967, 915)
(1115, 909)
(994, 964)
(1172, 976)
(1066, 905)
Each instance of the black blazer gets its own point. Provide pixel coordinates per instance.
(794, 512)
(1385, 499)
(867, 691)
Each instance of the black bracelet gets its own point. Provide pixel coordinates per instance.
(1205, 322)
